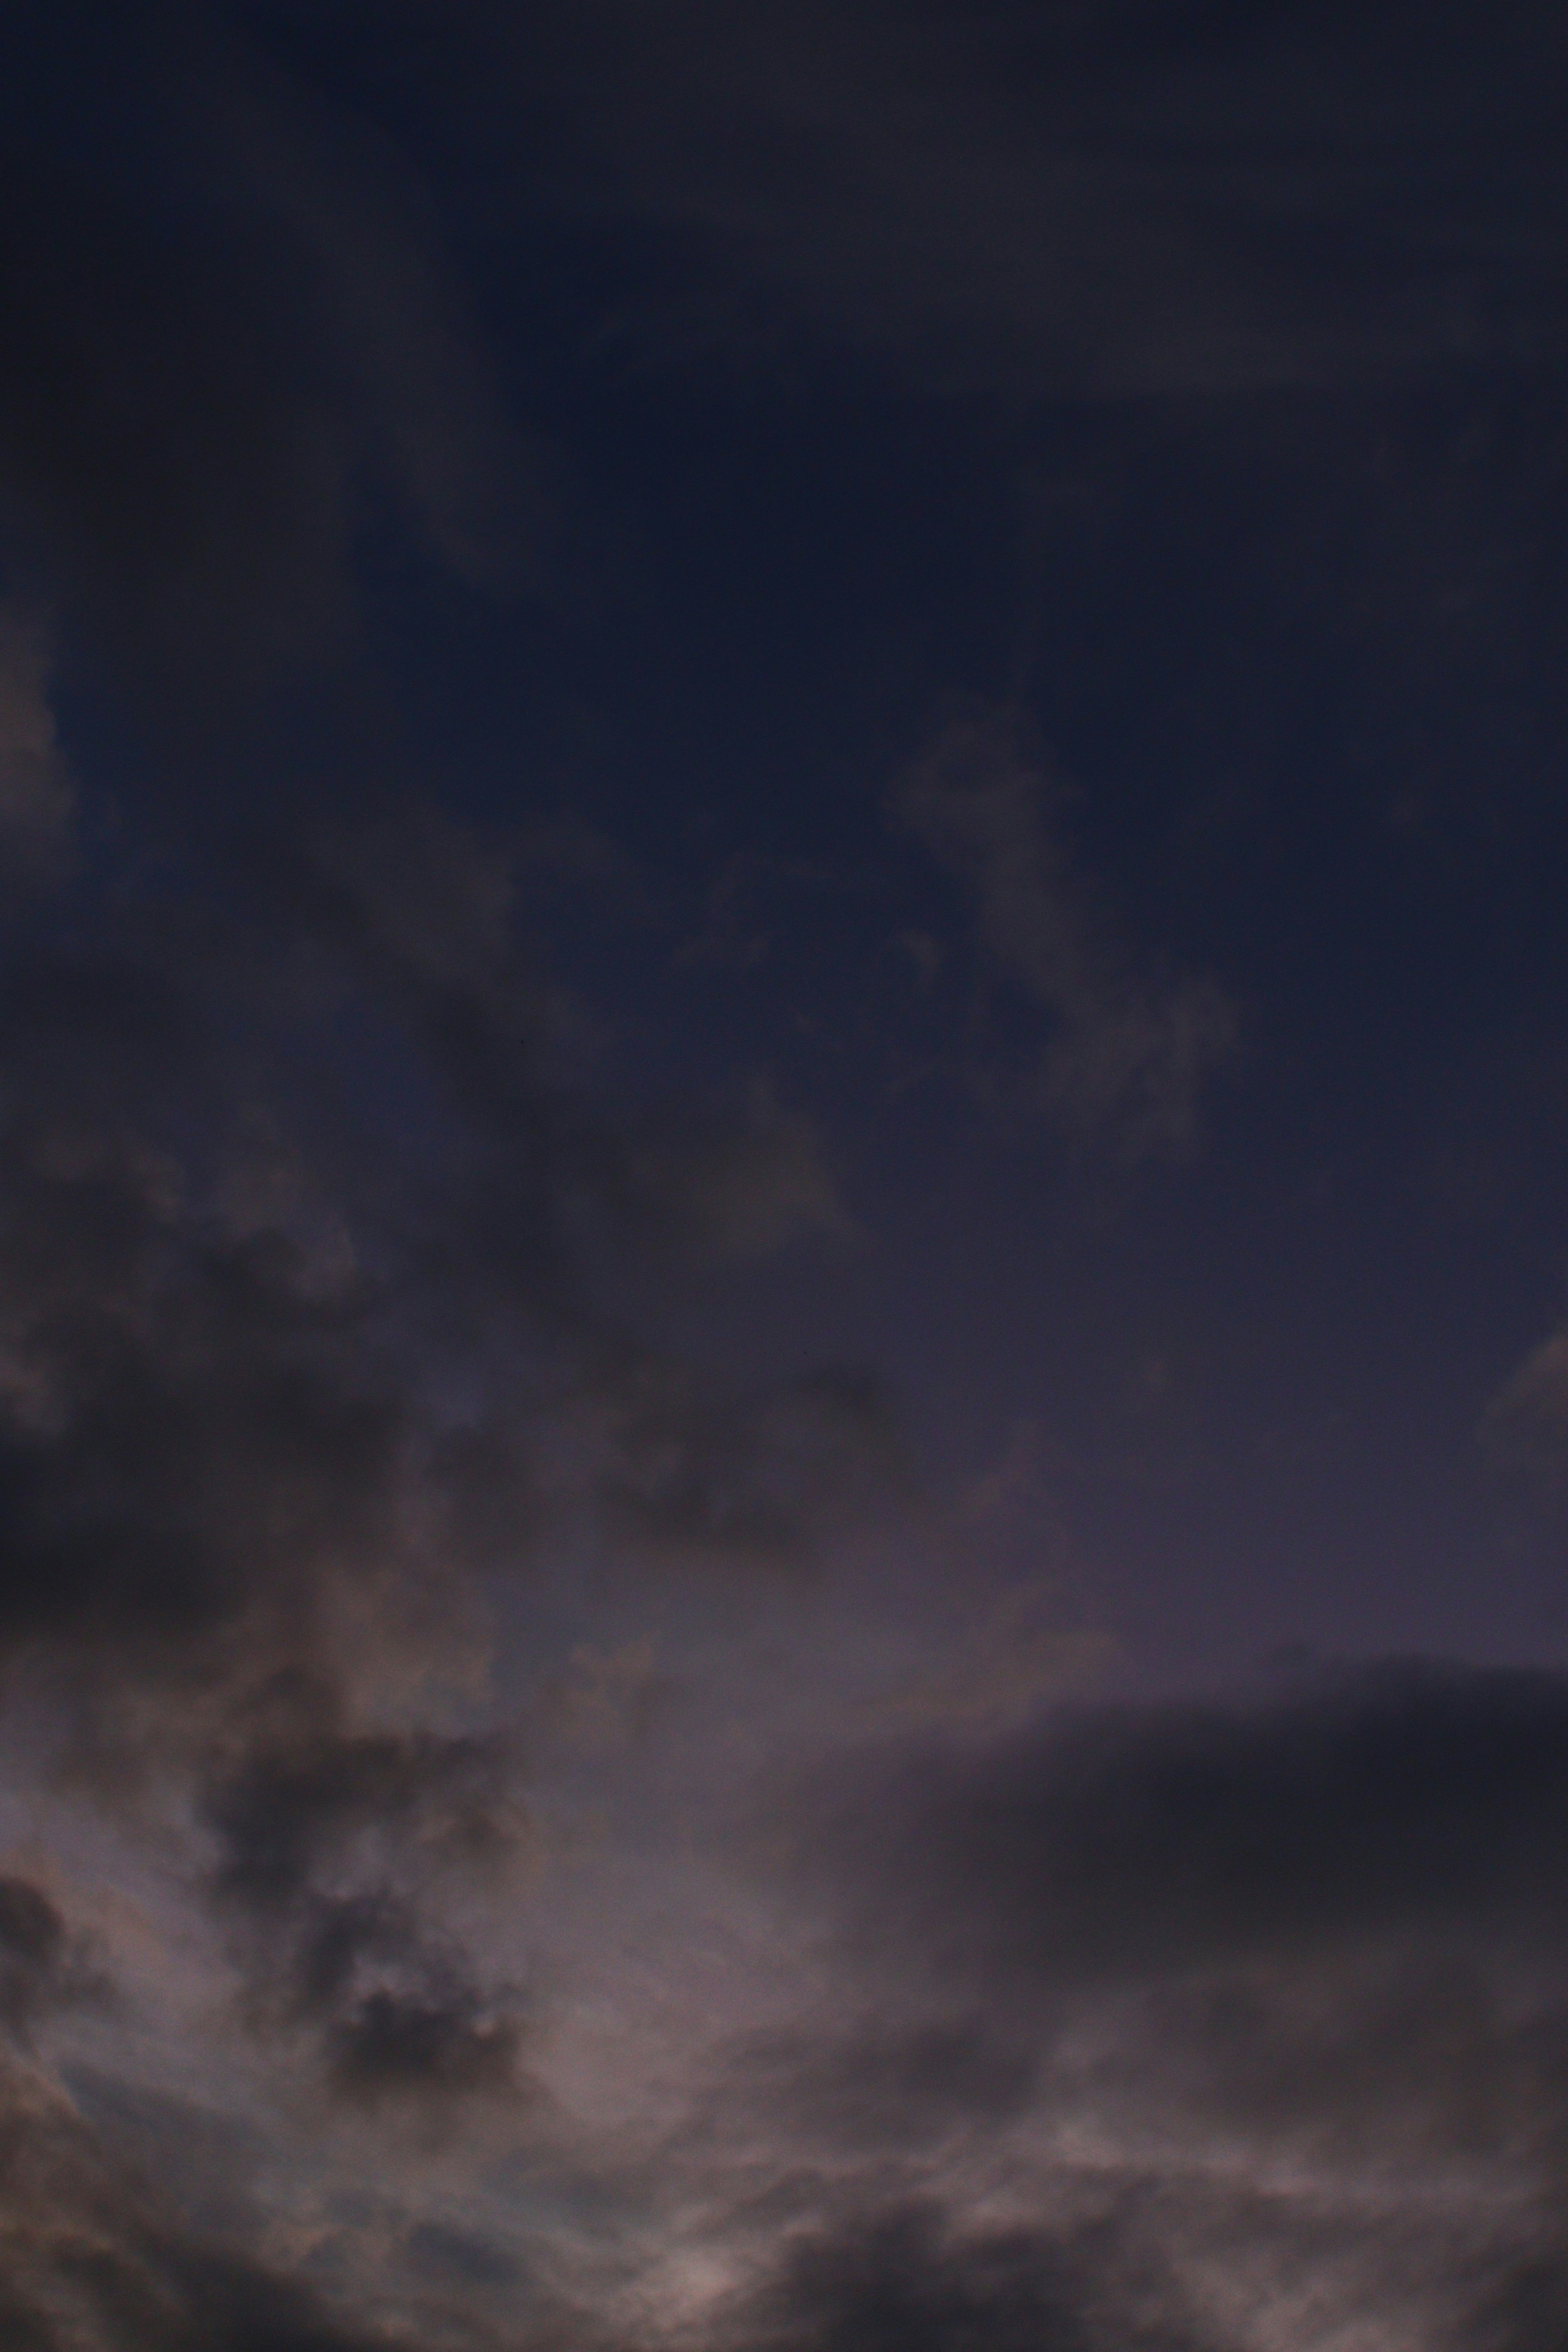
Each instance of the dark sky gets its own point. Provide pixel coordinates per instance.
(784, 1177)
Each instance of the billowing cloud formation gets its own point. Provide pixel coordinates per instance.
(295, 1802)
(1129, 1059)
(903, 2278)
(273, 1406)
(91, 2255)
(282, 1410)
(1154, 2002)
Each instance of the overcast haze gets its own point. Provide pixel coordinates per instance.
(783, 1177)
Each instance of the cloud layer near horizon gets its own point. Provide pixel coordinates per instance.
(1193, 2026)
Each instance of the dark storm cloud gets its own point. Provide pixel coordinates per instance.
(908, 2281)
(332, 1842)
(43, 1966)
(93, 2252)
(1333, 1924)
(1130, 1848)
(1259, 2002)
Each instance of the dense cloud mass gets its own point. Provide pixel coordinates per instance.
(1404, 1799)
(1147, 2026)
(92, 2255)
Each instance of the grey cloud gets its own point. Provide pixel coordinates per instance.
(1196, 2025)
(425, 2035)
(884, 2085)
(1517, 2307)
(274, 1400)
(197, 1473)
(448, 2254)
(1131, 1054)
(304, 1781)
(43, 1966)
(1128, 1848)
(32, 1941)
(911, 2280)
(1239, 2003)
(95, 2258)
(333, 1846)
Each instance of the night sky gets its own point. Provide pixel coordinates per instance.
(784, 1176)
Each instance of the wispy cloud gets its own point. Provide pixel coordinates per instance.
(37, 795)
(1130, 1053)
(1525, 1426)
(1097, 204)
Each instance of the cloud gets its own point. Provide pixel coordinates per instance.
(743, 1186)
(907, 2279)
(1525, 1427)
(1130, 1055)
(324, 1261)
(224, 336)
(1171, 2023)
(884, 2085)
(43, 1966)
(313, 1365)
(36, 792)
(220, 1544)
(1120, 1848)
(92, 2255)
(1101, 204)
(308, 1330)
(1022, 1654)
(335, 1845)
